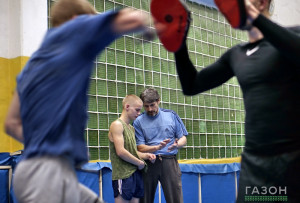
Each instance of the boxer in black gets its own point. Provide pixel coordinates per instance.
(268, 71)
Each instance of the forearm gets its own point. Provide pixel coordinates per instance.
(143, 155)
(128, 157)
(15, 130)
(148, 149)
(186, 71)
(181, 142)
(13, 123)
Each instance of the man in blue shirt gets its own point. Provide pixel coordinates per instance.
(48, 111)
(161, 132)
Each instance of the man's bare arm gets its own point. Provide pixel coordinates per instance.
(129, 20)
(145, 148)
(13, 123)
(116, 132)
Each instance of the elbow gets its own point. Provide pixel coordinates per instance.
(188, 91)
(184, 140)
(14, 129)
(189, 88)
(140, 148)
(8, 126)
(120, 153)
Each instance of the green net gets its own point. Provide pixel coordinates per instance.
(214, 119)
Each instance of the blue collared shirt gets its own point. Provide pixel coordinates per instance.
(151, 130)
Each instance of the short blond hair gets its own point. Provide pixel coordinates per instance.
(130, 99)
(64, 10)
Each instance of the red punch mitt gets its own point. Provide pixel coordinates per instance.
(171, 21)
(234, 11)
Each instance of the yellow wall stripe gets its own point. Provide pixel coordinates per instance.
(9, 69)
(211, 161)
(196, 161)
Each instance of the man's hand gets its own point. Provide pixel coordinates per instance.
(163, 144)
(130, 20)
(151, 157)
(173, 146)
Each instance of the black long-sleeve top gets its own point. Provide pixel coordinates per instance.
(268, 72)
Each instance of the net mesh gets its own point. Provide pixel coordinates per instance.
(214, 119)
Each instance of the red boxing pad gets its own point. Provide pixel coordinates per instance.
(171, 21)
(234, 11)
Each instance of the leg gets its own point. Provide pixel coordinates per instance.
(171, 180)
(134, 200)
(270, 171)
(87, 195)
(119, 199)
(129, 189)
(150, 181)
(45, 178)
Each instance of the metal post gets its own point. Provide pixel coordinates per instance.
(100, 185)
(9, 178)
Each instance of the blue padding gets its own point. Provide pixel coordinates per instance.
(189, 168)
(217, 180)
(210, 168)
(5, 159)
(89, 179)
(216, 187)
(238, 177)
(108, 195)
(96, 166)
(13, 198)
(209, 3)
(190, 187)
(4, 193)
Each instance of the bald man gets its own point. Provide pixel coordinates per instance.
(126, 161)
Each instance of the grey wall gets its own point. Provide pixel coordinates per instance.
(287, 12)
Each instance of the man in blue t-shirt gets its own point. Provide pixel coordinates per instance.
(48, 111)
(161, 132)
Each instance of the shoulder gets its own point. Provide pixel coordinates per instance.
(77, 23)
(168, 111)
(91, 20)
(237, 48)
(139, 118)
(231, 53)
(295, 29)
(115, 125)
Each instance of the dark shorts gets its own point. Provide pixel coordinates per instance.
(129, 187)
(270, 175)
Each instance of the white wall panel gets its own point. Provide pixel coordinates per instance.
(23, 24)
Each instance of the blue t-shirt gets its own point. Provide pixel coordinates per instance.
(151, 130)
(53, 86)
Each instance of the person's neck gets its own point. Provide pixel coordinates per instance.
(125, 119)
(254, 35)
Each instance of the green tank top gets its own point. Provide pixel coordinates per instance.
(120, 168)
